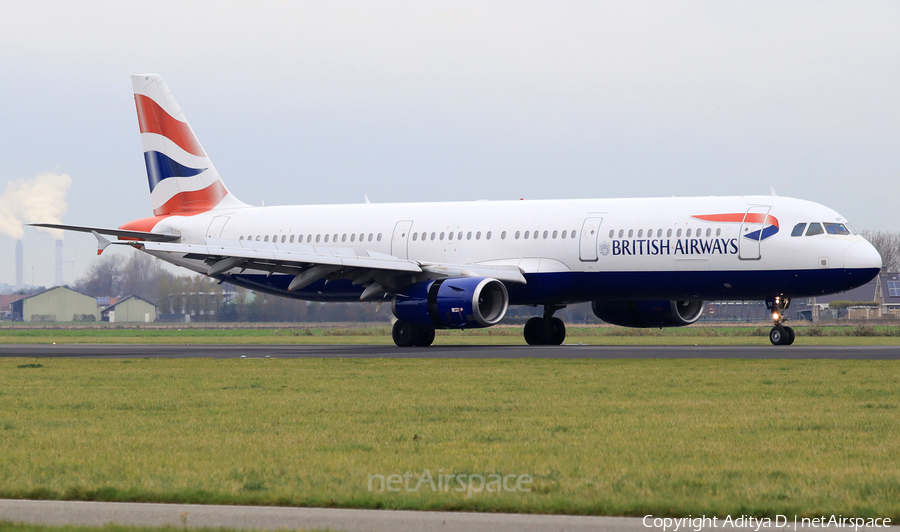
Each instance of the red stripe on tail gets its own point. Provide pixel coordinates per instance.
(193, 202)
(154, 119)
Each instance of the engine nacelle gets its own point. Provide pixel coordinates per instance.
(458, 302)
(648, 313)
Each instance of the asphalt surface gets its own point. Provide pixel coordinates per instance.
(389, 351)
(281, 518)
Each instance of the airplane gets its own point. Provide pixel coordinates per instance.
(643, 262)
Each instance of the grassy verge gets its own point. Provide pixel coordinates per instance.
(605, 437)
(7, 526)
(507, 335)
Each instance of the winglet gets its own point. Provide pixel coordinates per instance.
(773, 190)
(102, 242)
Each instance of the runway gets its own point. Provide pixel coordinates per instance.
(390, 351)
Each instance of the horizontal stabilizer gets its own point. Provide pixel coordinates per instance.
(138, 235)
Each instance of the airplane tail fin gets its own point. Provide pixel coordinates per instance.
(182, 178)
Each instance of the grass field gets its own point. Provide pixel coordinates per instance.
(381, 335)
(6, 526)
(605, 437)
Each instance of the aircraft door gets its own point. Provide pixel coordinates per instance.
(400, 239)
(590, 231)
(751, 232)
(216, 226)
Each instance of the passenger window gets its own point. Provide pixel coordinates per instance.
(433, 236)
(292, 239)
(344, 237)
(379, 237)
(469, 235)
(545, 234)
(335, 238)
(659, 233)
(815, 228)
(442, 236)
(242, 237)
(563, 234)
(415, 237)
(630, 233)
(503, 235)
(649, 233)
(612, 232)
(282, 238)
(708, 232)
(836, 229)
(621, 233)
(266, 239)
(326, 237)
(640, 233)
(526, 235)
(688, 233)
(719, 231)
(353, 237)
(678, 233)
(517, 234)
(669, 233)
(798, 229)
(487, 236)
(308, 239)
(450, 236)
(554, 235)
(478, 235)
(459, 236)
(573, 233)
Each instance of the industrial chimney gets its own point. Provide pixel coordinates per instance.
(20, 266)
(59, 264)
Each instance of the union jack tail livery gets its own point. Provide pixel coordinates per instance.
(182, 178)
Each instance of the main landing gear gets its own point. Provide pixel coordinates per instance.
(780, 334)
(408, 335)
(547, 330)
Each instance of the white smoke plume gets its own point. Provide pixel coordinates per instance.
(40, 199)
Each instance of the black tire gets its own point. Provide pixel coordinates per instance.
(778, 335)
(790, 335)
(405, 334)
(556, 331)
(536, 331)
(426, 338)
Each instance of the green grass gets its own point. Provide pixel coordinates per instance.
(605, 437)
(381, 335)
(6, 526)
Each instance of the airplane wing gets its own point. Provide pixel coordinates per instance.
(150, 237)
(380, 274)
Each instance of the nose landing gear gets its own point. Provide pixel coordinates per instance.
(780, 334)
(547, 330)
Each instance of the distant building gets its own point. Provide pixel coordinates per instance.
(57, 304)
(131, 309)
(6, 302)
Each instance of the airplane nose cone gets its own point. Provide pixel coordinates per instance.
(862, 255)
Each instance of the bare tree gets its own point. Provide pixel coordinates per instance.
(140, 277)
(103, 277)
(888, 245)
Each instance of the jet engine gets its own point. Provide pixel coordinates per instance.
(454, 303)
(648, 313)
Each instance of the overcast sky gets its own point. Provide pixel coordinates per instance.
(301, 102)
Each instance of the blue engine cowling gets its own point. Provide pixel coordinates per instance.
(648, 313)
(455, 303)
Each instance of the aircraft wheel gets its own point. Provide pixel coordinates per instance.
(536, 332)
(426, 337)
(790, 335)
(557, 331)
(405, 334)
(778, 336)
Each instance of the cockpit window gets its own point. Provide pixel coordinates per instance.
(836, 229)
(851, 229)
(815, 228)
(798, 229)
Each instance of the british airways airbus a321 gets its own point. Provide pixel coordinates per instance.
(647, 262)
